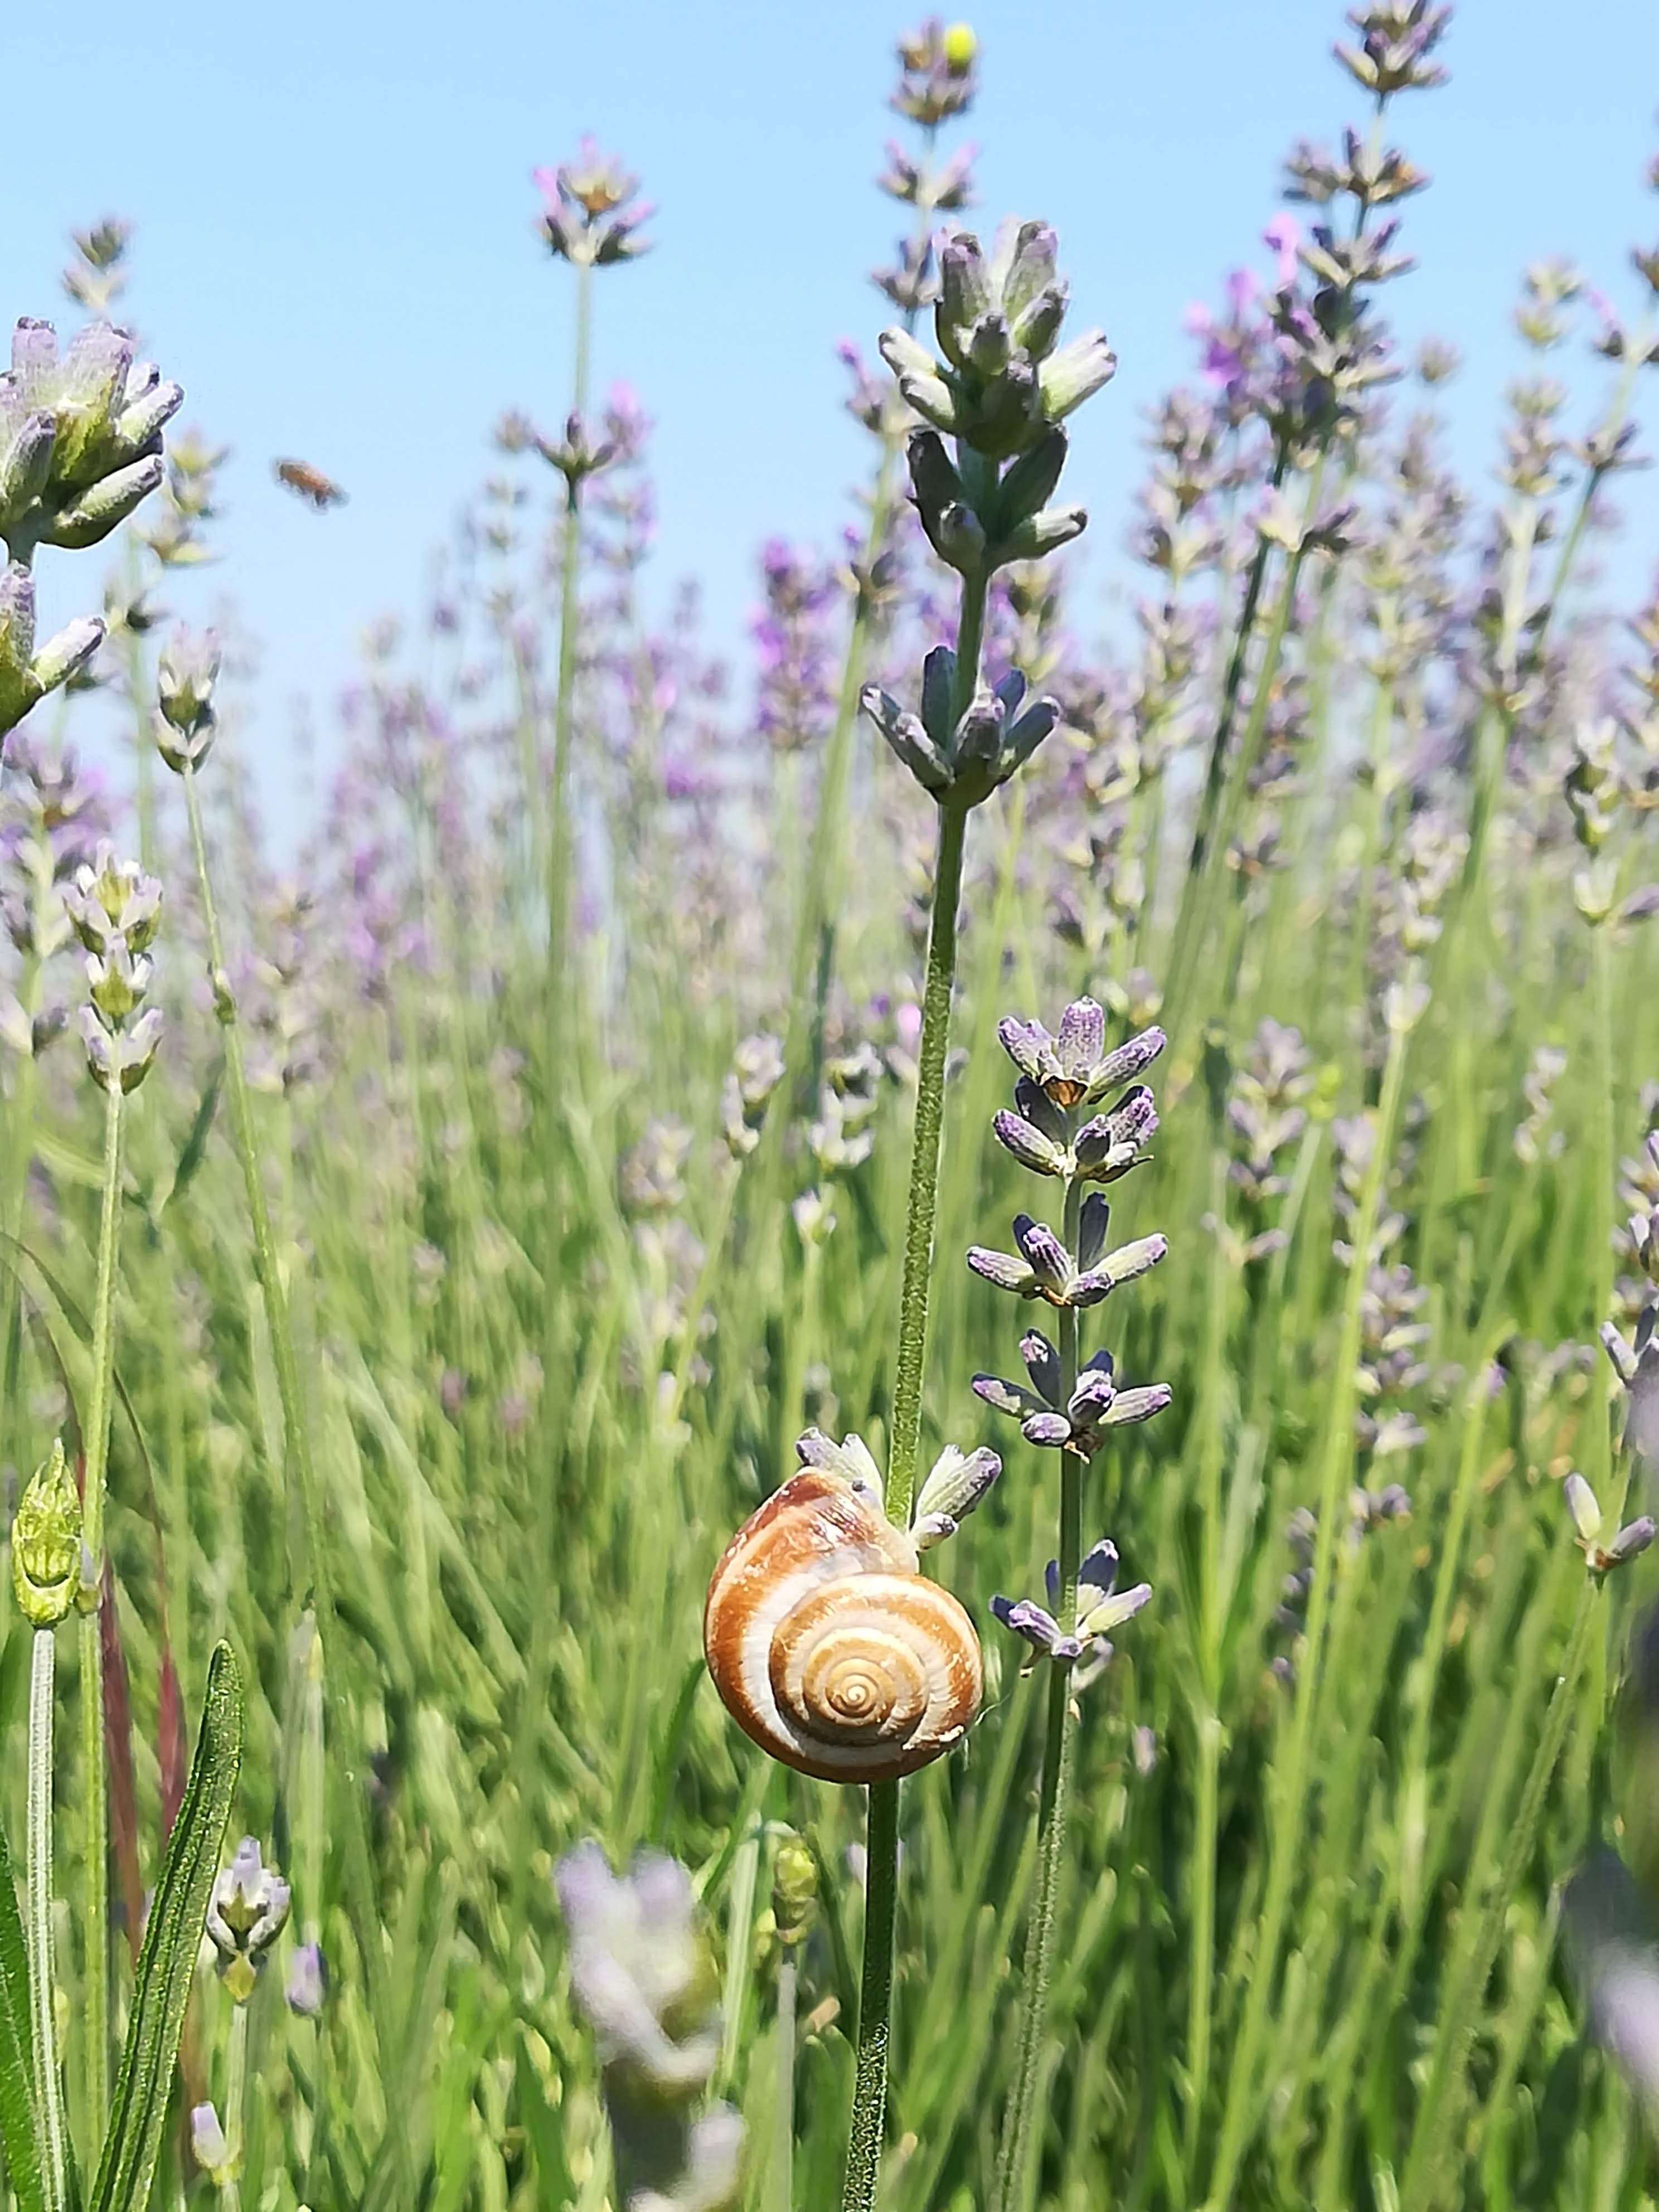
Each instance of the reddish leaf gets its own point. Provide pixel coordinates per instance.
(118, 1752)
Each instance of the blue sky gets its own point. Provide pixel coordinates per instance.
(336, 252)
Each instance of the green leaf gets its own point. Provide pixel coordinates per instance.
(542, 2124)
(194, 1150)
(172, 1939)
(19, 2125)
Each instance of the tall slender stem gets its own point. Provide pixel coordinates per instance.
(1199, 894)
(555, 1060)
(881, 1879)
(296, 1438)
(864, 2140)
(924, 1164)
(564, 708)
(230, 2191)
(1055, 1796)
(95, 1448)
(49, 2094)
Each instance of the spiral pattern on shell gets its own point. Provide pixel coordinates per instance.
(827, 1644)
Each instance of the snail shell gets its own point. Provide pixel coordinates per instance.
(830, 1646)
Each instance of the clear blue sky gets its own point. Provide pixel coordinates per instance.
(336, 251)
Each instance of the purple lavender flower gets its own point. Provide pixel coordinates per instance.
(589, 211)
(796, 650)
(306, 1984)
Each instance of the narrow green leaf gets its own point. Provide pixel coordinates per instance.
(541, 2124)
(19, 2123)
(194, 1149)
(172, 1940)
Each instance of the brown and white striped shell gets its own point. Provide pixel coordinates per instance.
(827, 1644)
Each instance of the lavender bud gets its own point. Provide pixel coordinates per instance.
(247, 1912)
(1025, 1617)
(956, 1486)
(45, 1543)
(208, 2145)
(1042, 1364)
(1633, 1538)
(1581, 1503)
(306, 1982)
(851, 1459)
(1029, 1145)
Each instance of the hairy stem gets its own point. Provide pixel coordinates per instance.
(881, 1886)
(230, 2192)
(95, 1450)
(49, 2093)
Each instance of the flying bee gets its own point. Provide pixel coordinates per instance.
(310, 483)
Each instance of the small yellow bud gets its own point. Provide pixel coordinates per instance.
(960, 46)
(45, 1543)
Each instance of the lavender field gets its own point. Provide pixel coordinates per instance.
(876, 1430)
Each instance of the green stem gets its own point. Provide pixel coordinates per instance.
(864, 2138)
(1206, 1716)
(1339, 1446)
(923, 1157)
(1199, 896)
(296, 1438)
(564, 706)
(558, 1061)
(864, 2143)
(95, 1450)
(782, 2194)
(49, 2093)
(230, 2194)
(1603, 1152)
(1054, 1795)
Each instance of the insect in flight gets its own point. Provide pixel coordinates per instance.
(310, 483)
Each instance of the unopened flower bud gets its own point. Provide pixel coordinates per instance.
(45, 1543)
(247, 1912)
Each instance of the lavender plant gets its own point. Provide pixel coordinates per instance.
(1057, 1128)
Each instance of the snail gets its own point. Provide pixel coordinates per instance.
(828, 1645)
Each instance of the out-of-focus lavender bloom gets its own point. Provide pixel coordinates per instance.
(796, 648)
(307, 1985)
(1396, 38)
(185, 679)
(938, 72)
(208, 2145)
(642, 1976)
(590, 214)
(1284, 235)
(1613, 1943)
(97, 277)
